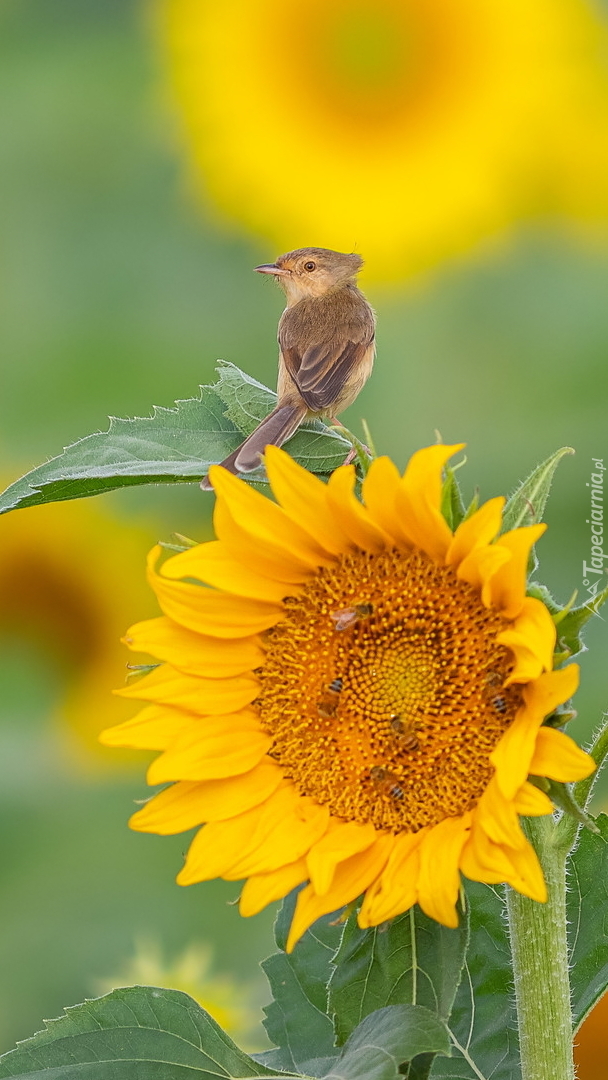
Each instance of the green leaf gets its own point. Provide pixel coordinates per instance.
(411, 960)
(483, 1024)
(526, 505)
(246, 400)
(173, 446)
(297, 1020)
(587, 928)
(386, 1039)
(136, 1033)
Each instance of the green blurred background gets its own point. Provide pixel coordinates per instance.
(119, 291)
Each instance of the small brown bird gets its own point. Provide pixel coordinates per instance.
(326, 347)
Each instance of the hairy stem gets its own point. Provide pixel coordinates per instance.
(540, 965)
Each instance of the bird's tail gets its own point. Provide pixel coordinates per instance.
(274, 430)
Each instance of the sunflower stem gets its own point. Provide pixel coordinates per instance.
(539, 950)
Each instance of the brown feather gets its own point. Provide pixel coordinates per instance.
(274, 430)
(323, 340)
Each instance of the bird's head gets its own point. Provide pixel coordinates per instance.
(310, 272)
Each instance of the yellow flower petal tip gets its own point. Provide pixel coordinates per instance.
(360, 713)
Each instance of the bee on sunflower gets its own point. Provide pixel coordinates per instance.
(351, 696)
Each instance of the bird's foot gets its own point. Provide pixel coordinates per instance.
(359, 452)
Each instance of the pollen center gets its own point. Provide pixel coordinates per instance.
(382, 689)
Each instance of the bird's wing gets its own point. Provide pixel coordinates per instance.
(321, 370)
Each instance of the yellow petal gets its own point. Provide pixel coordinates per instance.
(195, 654)
(439, 878)
(483, 860)
(193, 693)
(213, 564)
(380, 488)
(419, 501)
(222, 847)
(352, 878)
(339, 843)
(530, 879)
(266, 524)
(557, 757)
(217, 845)
(188, 803)
(353, 516)
(512, 756)
(530, 801)
(208, 612)
(508, 584)
(154, 728)
(527, 667)
(262, 889)
(552, 689)
(212, 747)
(532, 641)
(498, 817)
(477, 531)
(304, 499)
(480, 566)
(396, 889)
(271, 561)
(290, 825)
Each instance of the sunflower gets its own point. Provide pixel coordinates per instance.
(412, 130)
(50, 600)
(232, 1004)
(357, 702)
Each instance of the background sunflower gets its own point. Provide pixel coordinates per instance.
(120, 286)
(414, 130)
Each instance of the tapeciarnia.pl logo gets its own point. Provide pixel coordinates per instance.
(594, 570)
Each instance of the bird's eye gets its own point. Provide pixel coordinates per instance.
(309, 266)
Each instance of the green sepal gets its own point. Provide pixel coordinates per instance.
(137, 671)
(562, 797)
(541, 592)
(178, 543)
(473, 506)
(526, 505)
(569, 628)
(569, 620)
(452, 504)
(562, 715)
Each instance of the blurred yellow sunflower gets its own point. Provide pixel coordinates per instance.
(358, 700)
(232, 1003)
(50, 600)
(410, 130)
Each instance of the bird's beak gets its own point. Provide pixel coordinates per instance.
(271, 268)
